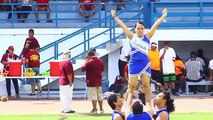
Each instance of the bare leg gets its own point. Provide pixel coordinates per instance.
(146, 86)
(132, 85)
(33, 88)
(166, 86)
(94, 104)
(100, 102)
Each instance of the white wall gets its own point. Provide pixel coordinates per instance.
(113, 65)
(17, 37)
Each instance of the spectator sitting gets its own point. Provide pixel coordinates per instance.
(120, 6)
(206, 61)
(10, 7)
(194, 70)
(103, 4)
(43, 6)
(2, 7)
(87, 9)
(26, 5)
(211, 71)
(179, 72)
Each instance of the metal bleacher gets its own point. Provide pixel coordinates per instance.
(65, 14)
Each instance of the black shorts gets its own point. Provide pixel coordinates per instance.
(178, 77)
(157, 75)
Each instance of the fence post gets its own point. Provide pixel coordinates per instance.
(56, 13)
(146, 14)
(88, 39)
(201, 14)
(56, 51)
(84, 40)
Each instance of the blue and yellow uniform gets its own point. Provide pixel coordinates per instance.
(139, 62)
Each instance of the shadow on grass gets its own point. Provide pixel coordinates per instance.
(65, 116)
(92, 114)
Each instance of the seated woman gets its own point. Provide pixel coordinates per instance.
(87, 9)
(26, 5)
(43, 6)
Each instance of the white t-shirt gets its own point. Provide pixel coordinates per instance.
(125, 51)
(167, 61)
(211, 64)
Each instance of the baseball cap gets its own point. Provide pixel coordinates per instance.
(154, 44)
(67, 52)
(10, 48)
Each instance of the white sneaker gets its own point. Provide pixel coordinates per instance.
(180, 91)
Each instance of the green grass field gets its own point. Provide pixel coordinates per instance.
(175, 116)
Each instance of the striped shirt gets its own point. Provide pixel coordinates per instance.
(193, 68)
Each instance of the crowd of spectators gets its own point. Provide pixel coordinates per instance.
(22, 8)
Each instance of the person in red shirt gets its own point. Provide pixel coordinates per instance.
(33, 61)
(94, 68)
(43, 6)
(2, 6)
(87, 8)
(30, 40)
(66, 82)
(6, 58)
(119, 5)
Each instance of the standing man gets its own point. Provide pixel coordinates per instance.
(154, 57)
(167, 56)
(30, 40)
(33, 61)
(66, 82)
(124, 58)
(94, 68)
(6, 58)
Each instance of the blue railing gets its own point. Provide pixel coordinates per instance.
(84, 43)
(63, 14)
(183, 14)
(66, 14)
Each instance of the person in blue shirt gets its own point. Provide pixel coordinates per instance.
(139, 64)
(136, 110)
(116, 103)
(164, 106)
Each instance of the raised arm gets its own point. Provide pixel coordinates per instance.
(126, 30)
(157, 23)
(128, 105)
(149, 105)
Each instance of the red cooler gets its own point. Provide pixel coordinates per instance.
(54, 68)
(15, 68)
